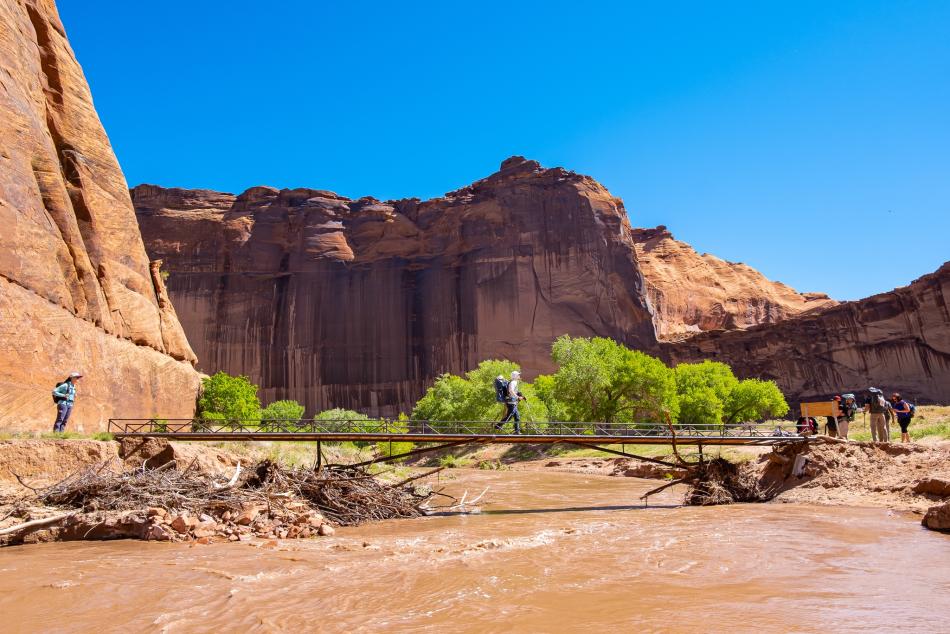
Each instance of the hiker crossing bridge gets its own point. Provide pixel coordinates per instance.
(432, 431)
(434, 435)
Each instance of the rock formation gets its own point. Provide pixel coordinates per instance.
(361, 303)
(76, 291)
(898, 341)
(692, 293)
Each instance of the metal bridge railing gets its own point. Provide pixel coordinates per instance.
(388, 427)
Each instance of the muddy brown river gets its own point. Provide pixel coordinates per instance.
(551, 552)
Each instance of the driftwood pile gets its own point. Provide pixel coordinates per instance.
(172, 504)
(713, 482)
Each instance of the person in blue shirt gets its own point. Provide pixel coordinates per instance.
(64, 395)
(904, 414)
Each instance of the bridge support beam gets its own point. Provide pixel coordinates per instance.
(414, 452)
(625, 454)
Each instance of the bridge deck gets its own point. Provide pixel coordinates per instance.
(584, 433)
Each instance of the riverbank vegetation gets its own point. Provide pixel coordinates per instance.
(600, 380)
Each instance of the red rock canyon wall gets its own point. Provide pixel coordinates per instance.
(76, 291)
(898, 341)
(362, 303)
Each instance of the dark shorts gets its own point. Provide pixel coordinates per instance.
(903, 422)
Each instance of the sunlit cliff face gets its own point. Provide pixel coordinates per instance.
(362, 303)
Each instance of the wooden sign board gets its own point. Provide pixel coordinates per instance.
(821, 408)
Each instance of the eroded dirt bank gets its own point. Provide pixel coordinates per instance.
(903, 477)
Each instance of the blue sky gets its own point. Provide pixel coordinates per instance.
(810, 140)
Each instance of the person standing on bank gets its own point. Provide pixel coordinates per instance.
(64, 395)
(511, 402)
(903, 413)
(849, 407)
(877, 407)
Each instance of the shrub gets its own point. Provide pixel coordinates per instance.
(386, 448)
(282, 411)
(452, 462)
(357, 422)
(230, 397)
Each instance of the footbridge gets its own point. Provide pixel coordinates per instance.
(433, 434)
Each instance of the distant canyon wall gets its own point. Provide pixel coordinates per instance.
(76, 288)
(362, 304)
(897, 341)
(692, 293)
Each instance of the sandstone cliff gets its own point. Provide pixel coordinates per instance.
(361, 303)
(76, 291)
(693, 293)
(898, 341)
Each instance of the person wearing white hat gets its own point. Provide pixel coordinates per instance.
(511, 401)
(64, 395)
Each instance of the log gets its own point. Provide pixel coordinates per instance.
(35, 523)
(416, 477)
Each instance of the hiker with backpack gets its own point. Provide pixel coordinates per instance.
(507, 392)
(904, 411)
(876, 405)
(831, 422)
(64, 395)
(848, 408)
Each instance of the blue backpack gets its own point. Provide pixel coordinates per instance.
(501, 390)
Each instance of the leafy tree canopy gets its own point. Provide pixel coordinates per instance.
(600, 380)
(472, 397)
(228, 397)
(752, 399)
(703, 389)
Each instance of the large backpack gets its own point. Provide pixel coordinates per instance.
(878, 404)
(501, 390)
(56, 397)
(913, 409)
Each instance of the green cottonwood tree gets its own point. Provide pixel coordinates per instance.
(703, 389)
(752, 399)
(710, 393)
(600, 380)
(472, 397)
(228, 397)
